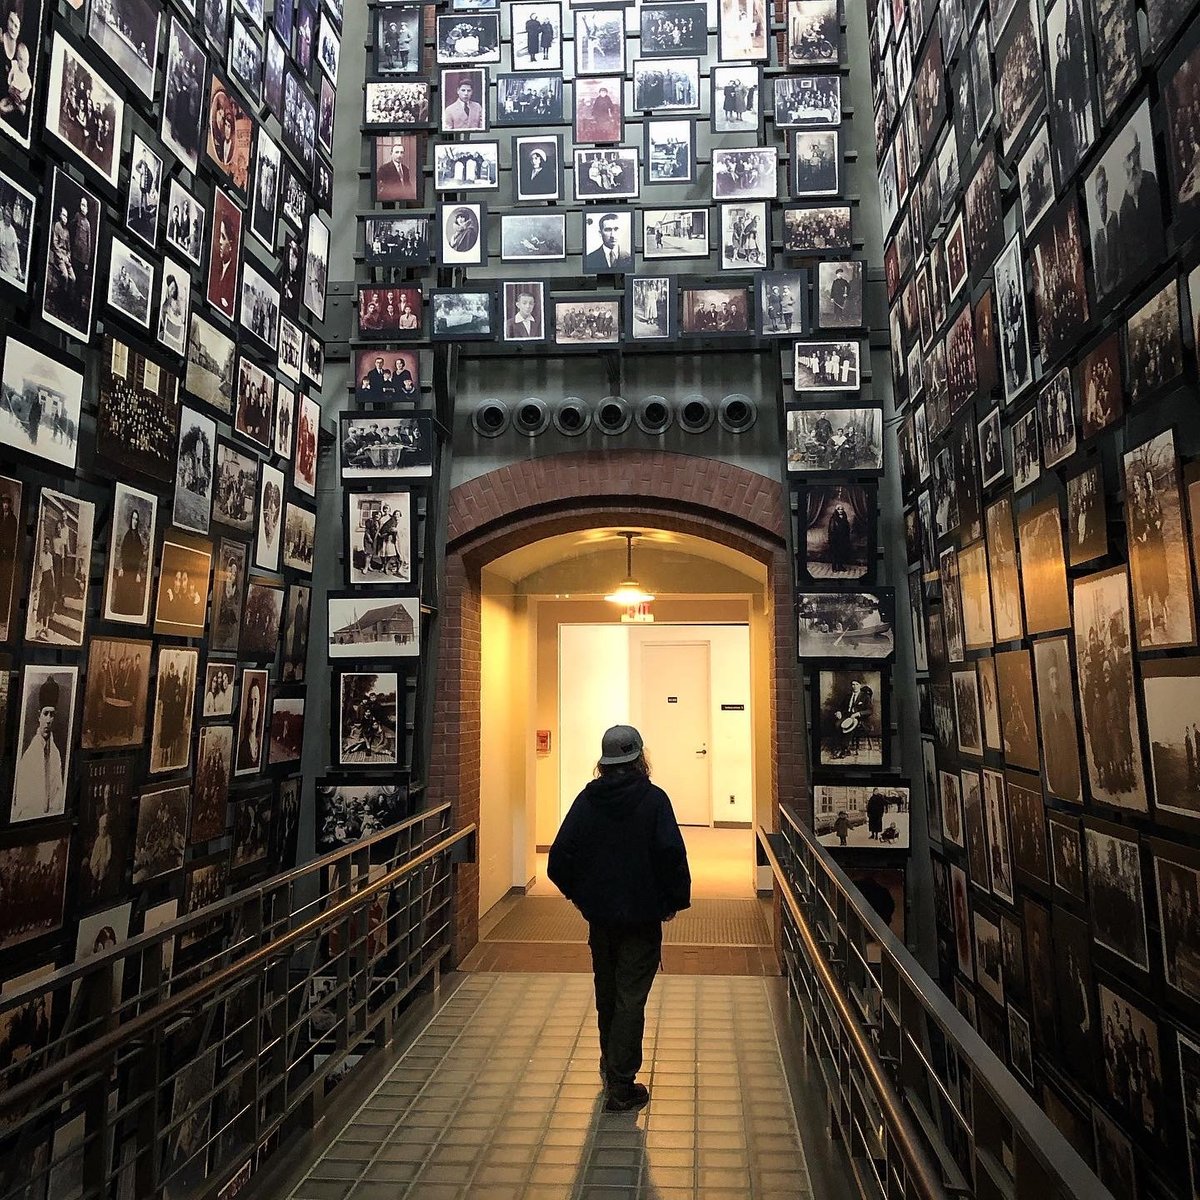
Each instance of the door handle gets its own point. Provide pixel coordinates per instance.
(701, 751)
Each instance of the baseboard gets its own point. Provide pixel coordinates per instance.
(733, 824)
(542, 849)
(766, 893)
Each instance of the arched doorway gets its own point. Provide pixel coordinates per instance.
(519, 505)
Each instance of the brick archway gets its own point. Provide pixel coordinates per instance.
(526, 502)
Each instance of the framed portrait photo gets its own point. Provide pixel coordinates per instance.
(666, 85)
(718, 310)
(537, 167)
(743, 31)
(815, 163)
(669, 150)
(670, 29)
(466, 166)
(583, 323)
(736, 97)
(533, 100)
(382, 448)
(607, 174)
(130, 283)
(524, 310)
(600, 40)
(397, 174)
(599, 108)
(72, 249)
(650, 308)
(464, 92)
(468, 38)
(462, 234)
(537, 35)
(93, 140)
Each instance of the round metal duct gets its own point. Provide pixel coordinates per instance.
(572, 417)
(653, 415)
(490, 419)
(613, 415)
(737, 413)
(531, 417)
(696, 414)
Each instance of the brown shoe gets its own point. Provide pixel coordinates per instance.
(627, 1098)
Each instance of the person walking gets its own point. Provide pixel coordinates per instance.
(620, 859)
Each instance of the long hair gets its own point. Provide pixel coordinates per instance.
(639, 766)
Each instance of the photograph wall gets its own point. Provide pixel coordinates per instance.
(1037, 167)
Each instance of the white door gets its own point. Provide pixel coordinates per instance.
(674, 722)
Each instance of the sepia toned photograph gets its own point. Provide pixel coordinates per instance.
(251, 729)
(105, 826)
(1178, 890)
(116, 693)
(862, 817)
(1101, 390)
(1043, 568)
(714, 311)
(849, 723)
(69, 281)
(299, 537)
(1057, 718)
(1171, 690)
(382, 448)
(161, 832)
(174, 710)
(263, 608)
(1154, 345)
(839, 531)
(295, 633)
(1164, 611)
(1087, 517)
(386, 376)
(41, 398)
(286, 741)
(34, 876)
(1104, 659)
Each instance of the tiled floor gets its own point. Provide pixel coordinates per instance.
(499, 1099)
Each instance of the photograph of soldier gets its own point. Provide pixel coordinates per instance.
(68, 293)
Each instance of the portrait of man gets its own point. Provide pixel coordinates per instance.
(251, 723)
(464, 113)
(523, 312)
(44, 749)
(611, 251)
(223, 258)
(396, 173)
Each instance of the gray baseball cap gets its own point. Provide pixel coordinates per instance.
(620, 744)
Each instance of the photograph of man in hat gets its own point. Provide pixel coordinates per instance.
(47, 708)
(620, 859)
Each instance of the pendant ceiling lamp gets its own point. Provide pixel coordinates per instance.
(629, 591)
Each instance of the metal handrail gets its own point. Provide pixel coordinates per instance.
(1040, 1137)
(919, 1165)
(78, 1061)
(202, 916)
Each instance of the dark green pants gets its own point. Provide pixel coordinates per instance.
(624, 961)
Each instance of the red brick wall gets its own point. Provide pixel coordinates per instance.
(525, 502)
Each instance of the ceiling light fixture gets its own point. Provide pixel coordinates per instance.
(629, 592)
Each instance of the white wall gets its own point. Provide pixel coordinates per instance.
(599, 681)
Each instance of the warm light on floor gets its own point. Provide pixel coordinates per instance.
(721, 862)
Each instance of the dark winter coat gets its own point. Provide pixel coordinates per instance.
(619, 856)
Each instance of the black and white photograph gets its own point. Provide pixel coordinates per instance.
(1182, 107)
(669, 233)
(229, 134)
(670, 150)
(610, 174)
(391, 105)
(259, 638)
(1154, 345)
(1178, 890)
(524, 311)
(669, 29)
(45, 742)
(105, 825)
(183, 100)
(41, 397)
(1016, 360)
(599, 41)
(744, 174)
(161, 833)
(185, 223)
(813, 33)
(650, 308)
(1164, 612)
(1124, 208)
(274, 65)
(251, 730)
(329, 49)
(194, 468)
(264, 208)
(826, 367)
(537, 166)
(464, 232)
(536, 36)
(174, 305)
(968, 720)
(1087, 517)
(782, 297)
(308, 425)
(22, 46)
(467, 166)
(224, 254)
(745, 235)
(537, 236)
(137, 424)
(69, 284)
(849, 721)
(1104, 657)
(83, 110)
(840, 294)
(400, 240)
(299, 537)
(245, 62)
(538, 100)
(462, 314)
(1021, 83)
(995, 816)
(1043, 568)
(295, 632)
(229, 588)
(1035, 175)
(807, 100)
(143, 195)
(984, 218)
(291, 363)
(183, 585)
(397, 39)
(839, 542)
(382, 448)
(268, 536)
(374, 627)
(1057, 718)
(12, 536)
(464, 100)
(174, 710)
(316, 266)
(34, 875)
(346, 813)
(590, 322)
(300, 118)
(468, 38)
(991, 449)
(259, 310)
(666, 85)
(1171, 688)
(814, 163)
(285, 742)
(1059, 283)
(862, 816)
(608, 242)
(18, 211)
(1115, 882)
(856, 625)
(379, 531)
(736, 98)
(1071, 81)
(368, 719)
(1056, 419)
(1026, 458)
(60, 569)
(255, 403)
(235, 489)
